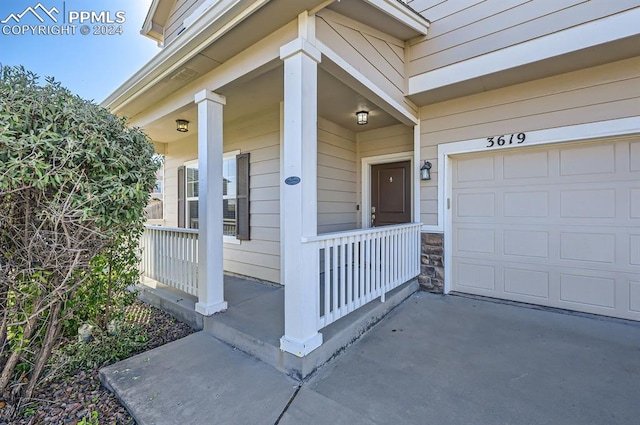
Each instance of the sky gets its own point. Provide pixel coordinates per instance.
(91, 65)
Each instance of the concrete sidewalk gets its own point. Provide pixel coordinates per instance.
(199, 380)
(435, 359)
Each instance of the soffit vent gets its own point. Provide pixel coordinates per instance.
(185, 74)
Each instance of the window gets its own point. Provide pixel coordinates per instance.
(154, 209)
(235, 188)
(192, 195)
(229, 192)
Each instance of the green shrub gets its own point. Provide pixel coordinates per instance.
(74, 182)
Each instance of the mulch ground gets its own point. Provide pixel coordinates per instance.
(74, 398)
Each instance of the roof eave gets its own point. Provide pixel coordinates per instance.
(195, 38)
(148, 25)
(402, 13)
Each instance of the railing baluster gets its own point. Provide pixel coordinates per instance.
(384, 259)
(327, 280)
(349, 270)
(370, 271)
(356, 266)
(397, 253)
(341, 276)
(169, 256)
(403, 254)
(361, 266)
(335, 284)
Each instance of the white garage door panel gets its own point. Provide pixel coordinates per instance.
(530, 283)
(553, 226)
(634, 296)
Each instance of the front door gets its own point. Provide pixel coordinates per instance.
(391, 193)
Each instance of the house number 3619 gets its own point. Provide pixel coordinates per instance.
(508, 139)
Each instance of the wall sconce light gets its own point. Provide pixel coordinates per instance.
(182, 126)
(425, 173)
(362, 117)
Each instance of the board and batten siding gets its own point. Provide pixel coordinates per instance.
(181, 10)
(337, 178)
(601, 93)
(463, 29)
(378, 56)
(260, 136)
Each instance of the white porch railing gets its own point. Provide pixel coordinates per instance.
(355, 267)
(360, 265)
(170, 256)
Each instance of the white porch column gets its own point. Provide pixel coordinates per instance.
(210, 269)
(299, 197)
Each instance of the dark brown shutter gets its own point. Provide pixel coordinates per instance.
(181, 198)
(242, 170)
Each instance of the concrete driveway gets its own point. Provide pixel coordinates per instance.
(456, 360)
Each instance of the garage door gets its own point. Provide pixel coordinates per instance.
(557, 226)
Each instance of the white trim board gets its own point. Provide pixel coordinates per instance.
(572, 133)
(417, 162)
(366, 181)
(583, 36)
(403, 14)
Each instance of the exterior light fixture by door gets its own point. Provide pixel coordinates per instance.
(182, 126)
(362, 117)
(425, 173)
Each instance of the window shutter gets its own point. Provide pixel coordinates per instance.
(181, 196)
(242, 170)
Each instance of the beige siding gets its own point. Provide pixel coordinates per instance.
(384, 141)
(259, 257)
(337, 178)
(601, 93)
(463, 29)
(378, 56)
(181, 10)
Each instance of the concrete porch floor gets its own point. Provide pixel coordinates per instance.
(254, 321)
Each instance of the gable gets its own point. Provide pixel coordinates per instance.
(157, 17)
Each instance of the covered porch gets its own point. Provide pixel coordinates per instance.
(314, 218)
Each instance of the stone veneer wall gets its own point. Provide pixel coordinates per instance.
(432, 268)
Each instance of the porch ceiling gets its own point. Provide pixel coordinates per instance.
(336, 102)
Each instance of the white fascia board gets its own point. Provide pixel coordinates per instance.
(147, 26)
(621, 25)
(403, 14)
(401, 113)
(176, 54)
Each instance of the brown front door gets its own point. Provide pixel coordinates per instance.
(391, 193)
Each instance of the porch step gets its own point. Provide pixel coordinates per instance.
(177, 303)
(255, 326)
